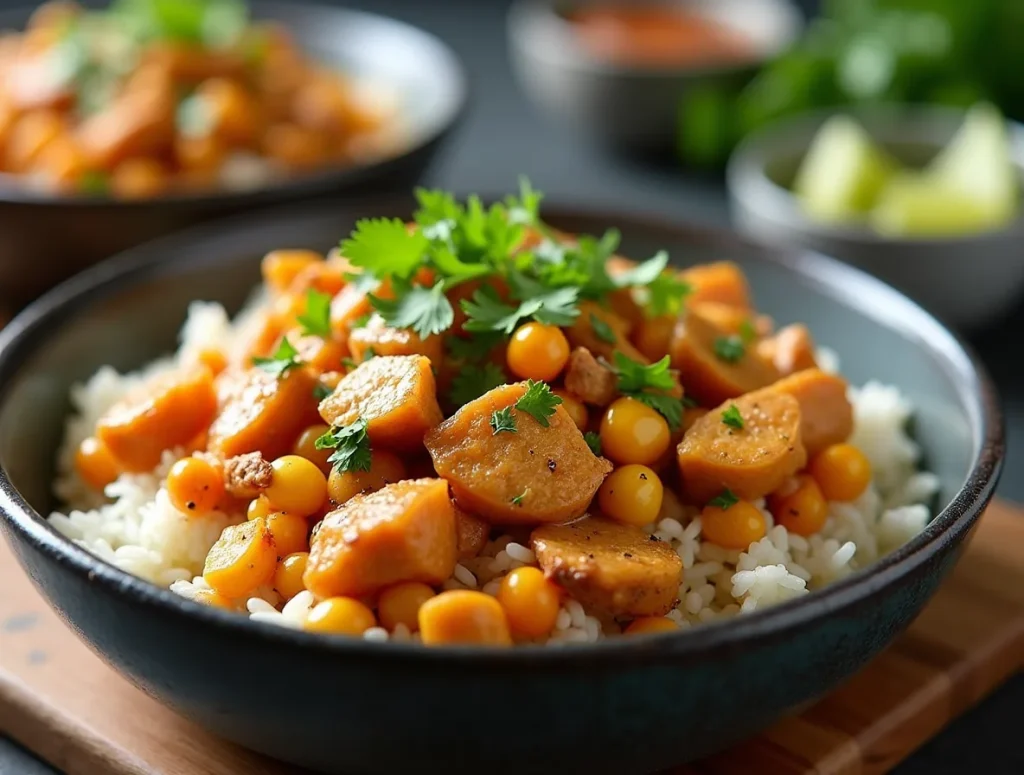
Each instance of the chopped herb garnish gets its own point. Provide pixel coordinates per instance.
(729, 348)
(351, 447)
(316, 320)
(602, 330)
(486, 312)
(594, 442)
(538, 401)
(731, 416)
(502, 420)
(321, 391)
(285, 358)
(350, 363)
(475, 348)
(471, 383)
(648, 384)
(518, 499)
(689, 403)
(747, 332)
(666, 294)
(385, 248)
(424, 310)
(724, 500)
(360, 322)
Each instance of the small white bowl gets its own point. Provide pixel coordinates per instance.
(968, 281)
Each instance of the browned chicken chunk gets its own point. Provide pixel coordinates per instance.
(590, 380)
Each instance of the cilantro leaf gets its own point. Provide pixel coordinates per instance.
(747, 332)
(475, 348)
(284, 359)
(360, 322)
(424, 310)
(486, 312)
(602, 330)
(518, 499)
(643, 273)
(321, 391)
(539, 402)
(471, 383)
(648, 385)
(729, 348)
(724, 500)
(635, 377)
(316, 320)
(351, 447)
(436, 206)
(526, 207)
(385, 248)
(665, 294)
(594, 442)
(456, 270)
(669, 407)
(731, 416)
(502, 420)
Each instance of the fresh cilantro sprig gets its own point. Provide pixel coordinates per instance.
(472, 382)
(475, 348)
(665, 295)
(539, 402)
(351, 446)
(517, 500)
(650, 385)
(724, 500)
(316, 320)
(729, 348)
(602, 330)
(731, 416)
(502, 420)
(594, 442)
(424, 310)
(486, 312)
(284, 359)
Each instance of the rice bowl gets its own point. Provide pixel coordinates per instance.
(134, 525)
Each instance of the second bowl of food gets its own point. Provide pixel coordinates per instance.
(120, 124)
(926, 198)
(483, 492)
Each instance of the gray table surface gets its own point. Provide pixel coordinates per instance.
(504, 137)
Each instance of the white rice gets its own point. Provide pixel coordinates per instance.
(136, 528)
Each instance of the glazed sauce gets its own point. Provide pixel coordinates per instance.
(657, 35)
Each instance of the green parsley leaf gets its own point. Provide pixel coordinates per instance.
(321, 391)
(454, 269)
(635, 377)
(502, 420)
(316, 320)
(724, 500)
(602, 330)
(424, 310)
(285, 358)
(526, 207)
(731, 416)
(665, 294)
(475, 348)
(747, 332)
(486, 312)
(669, 407)
(518, 499)
(643, 273)
(471, 383)
(436, 206)
(594, 442)
(729, 348)
(385, 248)
(351, 447)
(648, 384)
(539, 402)
(360, 322)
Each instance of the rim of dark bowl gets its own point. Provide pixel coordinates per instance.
(15, 191)
(847, 285)
(753, 188)
(539, 26)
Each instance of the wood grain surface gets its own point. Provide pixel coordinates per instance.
(61, 701)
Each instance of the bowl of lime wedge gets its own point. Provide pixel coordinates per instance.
(927, 198)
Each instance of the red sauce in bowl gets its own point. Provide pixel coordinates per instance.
(657, 35)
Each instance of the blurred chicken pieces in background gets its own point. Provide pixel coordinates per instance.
(165, 97)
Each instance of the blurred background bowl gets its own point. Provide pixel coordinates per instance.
(635, 106)
(966, 280)
(47, 238)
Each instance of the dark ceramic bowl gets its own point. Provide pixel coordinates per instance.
(348, 706)
(634, 108)
(46, 239)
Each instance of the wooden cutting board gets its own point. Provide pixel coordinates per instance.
(61, 701)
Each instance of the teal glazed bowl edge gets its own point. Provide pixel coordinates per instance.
(348, 706)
